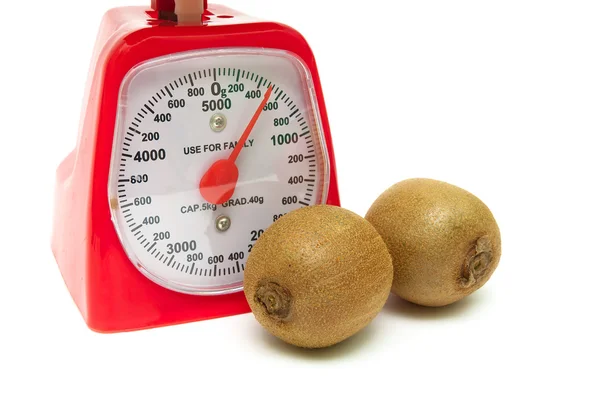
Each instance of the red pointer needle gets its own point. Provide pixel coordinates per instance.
(218, 183)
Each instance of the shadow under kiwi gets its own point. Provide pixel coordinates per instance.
(342, 349)
(397, 306)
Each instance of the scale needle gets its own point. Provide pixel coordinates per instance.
(219, 182)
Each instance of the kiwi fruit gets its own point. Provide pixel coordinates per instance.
(317, 276)
(444, 241)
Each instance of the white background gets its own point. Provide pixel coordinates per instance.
(501, 98)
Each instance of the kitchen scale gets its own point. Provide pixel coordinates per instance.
(201, 127)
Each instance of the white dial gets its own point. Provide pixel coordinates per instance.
(180, 114)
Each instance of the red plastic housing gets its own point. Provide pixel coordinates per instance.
(108, 290)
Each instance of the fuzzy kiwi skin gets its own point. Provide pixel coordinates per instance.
(444, 241)
(317, 276)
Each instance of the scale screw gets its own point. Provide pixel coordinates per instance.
(218, 122)
(223, 223)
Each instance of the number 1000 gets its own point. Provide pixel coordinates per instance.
(286, 138)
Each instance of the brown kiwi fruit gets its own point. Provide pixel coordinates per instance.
(317, 276)
(444, 241)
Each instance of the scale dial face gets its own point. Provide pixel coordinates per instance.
(177, 116)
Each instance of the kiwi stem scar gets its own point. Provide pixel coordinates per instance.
(477, 261)
(275, 299)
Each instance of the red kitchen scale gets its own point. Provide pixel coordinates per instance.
(201, 127)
